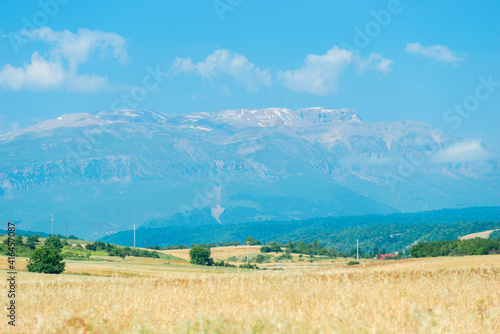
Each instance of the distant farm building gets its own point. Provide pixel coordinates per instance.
(384, 256)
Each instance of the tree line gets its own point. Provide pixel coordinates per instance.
(301, 247)
(122, 252)
(393, 232)
(475, 246)
(47, 257)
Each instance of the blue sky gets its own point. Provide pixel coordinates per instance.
(436, 62)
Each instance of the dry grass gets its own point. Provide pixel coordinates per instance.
(218, 253)
(484, 235)
(451, 295)
(224, 253)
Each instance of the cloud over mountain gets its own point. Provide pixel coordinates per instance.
(320, 74)
(464, 151)
(224, 63)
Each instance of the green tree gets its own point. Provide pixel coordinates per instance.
(200, 255)
(265, 249)
(34, 238)
(260, 258)
(276, 248)
(91, 247)
(30, 243)
(315, 247)
(136, 253)
(53, 242)
(46, 260)
(19, 241)
(122, 253)
(251, 241)
(100, 245)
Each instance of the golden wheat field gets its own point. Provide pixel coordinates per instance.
(217, 253)
(439, 295)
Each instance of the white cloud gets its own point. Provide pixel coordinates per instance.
(439, 53)
(39, 74)
(60, 70)
(375, 62)
(224, 63)
(320, 74)
(465, 151)
(77, 47)
(182, 65)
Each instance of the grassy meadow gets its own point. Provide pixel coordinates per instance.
(146, 295)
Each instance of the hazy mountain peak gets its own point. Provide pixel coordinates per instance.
(270, 117)
(307, 162)
(63, 121)
(322, 115)
(133, 116)
(238, 118)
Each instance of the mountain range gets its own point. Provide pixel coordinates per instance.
(102, 172)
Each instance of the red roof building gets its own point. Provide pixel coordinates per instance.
(383, 256)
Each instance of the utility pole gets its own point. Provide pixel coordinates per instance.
(66, 230)
(248, 246)
(52, 220)
(357, 250)
(134, 235)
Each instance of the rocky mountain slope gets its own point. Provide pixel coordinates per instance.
(102, 172)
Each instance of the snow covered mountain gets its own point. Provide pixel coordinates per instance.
(101, 172)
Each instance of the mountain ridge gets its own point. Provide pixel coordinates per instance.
(102, 171)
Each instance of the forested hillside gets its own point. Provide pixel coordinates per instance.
(392, 232)
(476, 246)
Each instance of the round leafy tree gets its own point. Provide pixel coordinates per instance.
(54, 242)
(200, 255)
(276, 248)
(46, 260)
(31, 241)
(30, 244)
(19, 241)
(251, 241)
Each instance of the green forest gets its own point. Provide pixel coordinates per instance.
(456, 248)
(339, 233)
